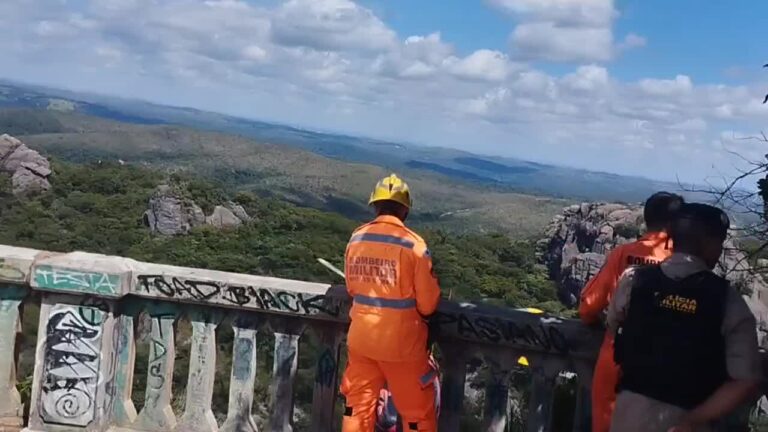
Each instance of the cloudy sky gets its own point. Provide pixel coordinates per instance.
(652, 87)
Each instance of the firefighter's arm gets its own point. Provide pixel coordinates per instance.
(425, 283)
(597, 293)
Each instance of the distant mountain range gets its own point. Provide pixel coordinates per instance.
(503, 174)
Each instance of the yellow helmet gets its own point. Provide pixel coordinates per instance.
(391, 188)
(522, 361)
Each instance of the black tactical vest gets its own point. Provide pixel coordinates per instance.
(670, 346)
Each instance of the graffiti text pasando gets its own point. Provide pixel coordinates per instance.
(482, 328)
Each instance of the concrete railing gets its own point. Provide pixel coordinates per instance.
(86, 347)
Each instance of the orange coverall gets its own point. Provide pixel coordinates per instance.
(390, 277)
(652, 248)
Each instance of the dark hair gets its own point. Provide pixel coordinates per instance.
(660, 210)
(390, 208)
(699, 222)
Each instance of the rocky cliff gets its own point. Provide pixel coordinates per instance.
(578, 240)
(169, 213)
(28, 169)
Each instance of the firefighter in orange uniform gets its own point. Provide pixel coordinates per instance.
(652, 248)
(390, 278)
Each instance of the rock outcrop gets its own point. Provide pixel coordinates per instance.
(577, 242)
(171, 214)
(238, 211)
(28, 169)
(223, 217)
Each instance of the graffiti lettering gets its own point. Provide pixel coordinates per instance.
(71, 367)
(288, 301)
(9, 272)
(66, 280)
(318, 304)
(326, 369)
(237, 295)
(496, 330)
(268, 300)
(195, 290)
(158, 351)
(92, 311)
(245, 296)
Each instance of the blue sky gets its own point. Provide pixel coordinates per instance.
(704, 38)
(663, 89)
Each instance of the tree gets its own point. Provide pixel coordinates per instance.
(766, 96)
(745, 196)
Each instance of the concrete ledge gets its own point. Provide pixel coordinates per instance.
(115, 277)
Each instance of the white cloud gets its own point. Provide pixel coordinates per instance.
(681, 85)
(593, 13)
(564, 30)
(483, 64)
(333, 64)
(417, 57)
(330, 25)
(590, 78)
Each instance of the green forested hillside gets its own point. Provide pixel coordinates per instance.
(280, 171)
(98, 208)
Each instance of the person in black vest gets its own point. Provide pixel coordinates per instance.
(685, 340)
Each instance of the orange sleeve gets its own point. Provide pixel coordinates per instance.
(426, 286)
(597, 293)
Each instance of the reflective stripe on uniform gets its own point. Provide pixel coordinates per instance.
(428, 377)
(385, 303)
(382, 238)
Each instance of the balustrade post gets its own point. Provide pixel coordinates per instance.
(125, 411)
(454, 374)
(541, 399)
(582, 421)
(11, 407)
(497, 407)
(198, 414)
(326, 376)
(287, 334)
(243, 378)
(73, 383)
(157, 414)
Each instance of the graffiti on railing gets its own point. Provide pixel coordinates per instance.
(326, 368)
(10, 273)
(238, 295)
(157, 379)
(494, 330)
(158, 351)
(71, 365)
(70, 280)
